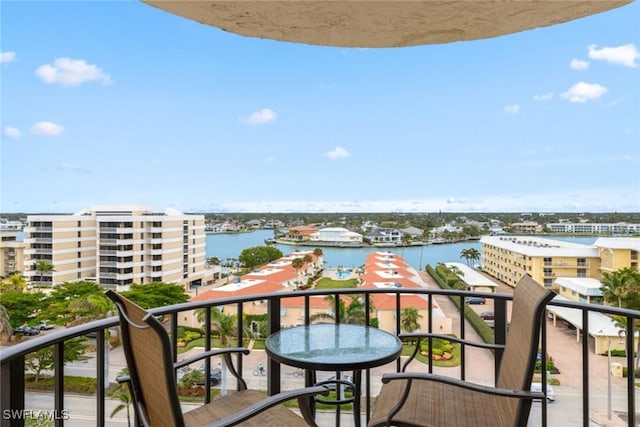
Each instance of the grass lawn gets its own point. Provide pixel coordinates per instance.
(327, 283)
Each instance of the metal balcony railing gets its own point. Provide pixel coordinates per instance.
(13, 367)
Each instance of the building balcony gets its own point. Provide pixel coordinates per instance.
(38, 229)
(581, 397)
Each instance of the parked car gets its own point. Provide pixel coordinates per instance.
(26, 330)
(215, 376)
(475, 300)
(551, 395)
(332, 385)
(45, 326)
(487, 315)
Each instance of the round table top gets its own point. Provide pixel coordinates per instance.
(333, 347)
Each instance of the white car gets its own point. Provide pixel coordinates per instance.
(551, 395)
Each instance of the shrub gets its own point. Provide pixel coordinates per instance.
(625, 372)
(80, 385)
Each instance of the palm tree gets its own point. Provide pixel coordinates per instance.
(409, 319)
(615, 286)
(297, 263)
(466, 255)
(621, 322)
(121, 392)
(44, 266)
(14, 282)
(354, 313)
(226, 327)
(307, 259)
(474, 255)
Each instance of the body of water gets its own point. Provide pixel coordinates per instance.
(226, 246)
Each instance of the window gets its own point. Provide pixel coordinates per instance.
(548, 283)
(581, 272)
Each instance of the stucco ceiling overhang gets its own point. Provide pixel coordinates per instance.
(374, 23)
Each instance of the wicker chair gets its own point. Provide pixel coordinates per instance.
(422, 399)
(152, 382)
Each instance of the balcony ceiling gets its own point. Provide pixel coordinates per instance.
(357, 23)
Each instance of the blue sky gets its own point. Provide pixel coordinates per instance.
(121, 103)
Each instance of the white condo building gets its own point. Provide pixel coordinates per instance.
(116, 246)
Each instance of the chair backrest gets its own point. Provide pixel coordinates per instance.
(519, 358)
(148, 354)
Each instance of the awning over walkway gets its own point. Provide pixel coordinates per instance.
(599, 324)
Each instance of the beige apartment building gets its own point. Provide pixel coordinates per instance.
(11, 254)
(618, 252)
(508, 258)
(116, 246)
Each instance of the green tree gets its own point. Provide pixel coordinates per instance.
(615, 286)
(43, 359)
(74, 303)
(409, 319)
(21, 306)
(259, 255)
(156, 294)
(214, 260)
(44, 266)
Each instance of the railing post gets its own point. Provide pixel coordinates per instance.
(585, 369)
(631, 389)
(273, 319)
(500, 329)
(101, 384)
(58, 384)
(12, 396)
(543, 350)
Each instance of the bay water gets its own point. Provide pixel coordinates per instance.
(225, 246)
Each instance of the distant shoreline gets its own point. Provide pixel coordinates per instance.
(330, 244)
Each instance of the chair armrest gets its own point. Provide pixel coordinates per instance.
(269, 402)
(210, 353)
(520, 394)
(123, 379)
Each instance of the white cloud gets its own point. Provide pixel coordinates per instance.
(47, 129)
(512, 109)
(578, 64)
(71, 72)
(543, 97)
(583, 92)
(11, 132)
(337, 153)
(623, 55)
(7, 56)
(261, 117)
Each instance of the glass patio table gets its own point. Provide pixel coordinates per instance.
(334, 347)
